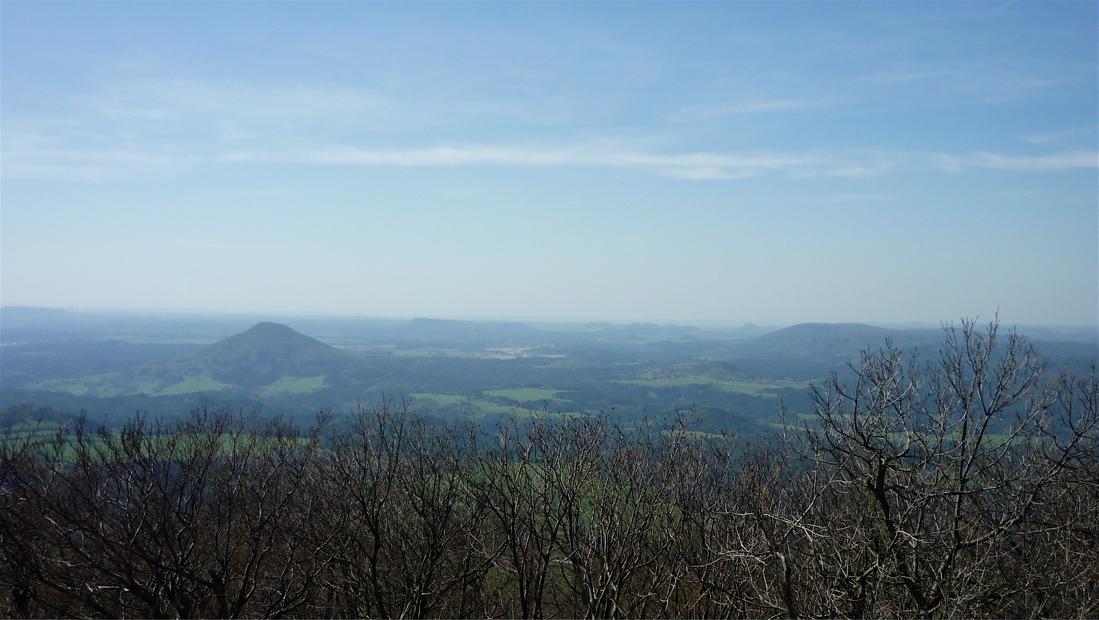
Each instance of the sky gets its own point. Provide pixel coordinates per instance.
(771, 162)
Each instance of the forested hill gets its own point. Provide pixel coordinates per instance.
(824, 345)
(267, 359)
(266, 353)
(833, 343)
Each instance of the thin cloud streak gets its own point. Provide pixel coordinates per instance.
(37, 156)
(684, 166)
(1057, 136)
(170, 125)
(1069, 160)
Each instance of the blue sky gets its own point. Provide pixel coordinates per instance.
(675, 162)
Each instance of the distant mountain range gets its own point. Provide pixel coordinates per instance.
(829, 345)
(834, 343)
(270, 359)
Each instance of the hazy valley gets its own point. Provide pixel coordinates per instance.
(112, 365)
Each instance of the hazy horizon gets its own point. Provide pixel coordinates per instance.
(690, 163)
(536, 321)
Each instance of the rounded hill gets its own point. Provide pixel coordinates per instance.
(267, 352)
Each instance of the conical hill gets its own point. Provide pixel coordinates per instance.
(267, 359)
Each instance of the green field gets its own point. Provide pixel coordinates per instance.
(477, 407)
(77, 387)
(484, 406)
(765, 390)
(294, 385)
(523, 395)
(442, 400)
(107, 384)
(194, 384)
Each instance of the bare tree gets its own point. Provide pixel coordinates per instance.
(512, 482)
(952, 462)
(412, 531)
(207, 517)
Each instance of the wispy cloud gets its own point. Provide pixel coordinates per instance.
(680, 165)
(52, 150)
(60, 149)
(1068, 160)
(1058, 136)
(999, 7)
(965, 84)
(136, 128)
(38, 156)
(124, 127)
(865, 198)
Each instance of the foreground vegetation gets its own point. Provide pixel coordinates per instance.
(964, 488)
